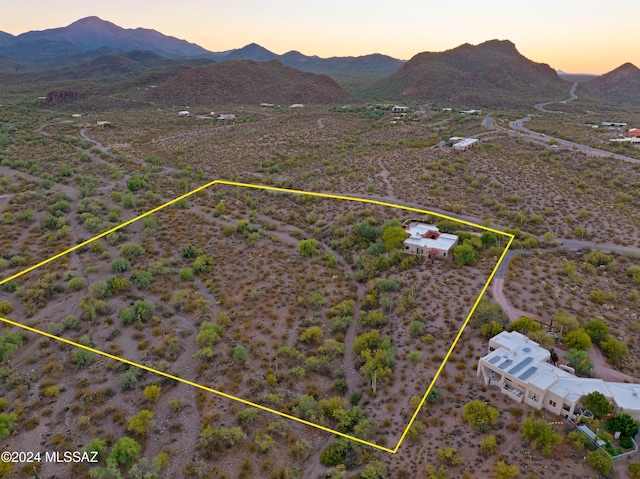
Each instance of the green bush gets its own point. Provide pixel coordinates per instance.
(76, 284)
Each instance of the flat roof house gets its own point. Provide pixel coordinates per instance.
(633, 133)
(465, 144)
(427, 240)
(521, 369)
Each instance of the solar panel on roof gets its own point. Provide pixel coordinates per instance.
(521, 365)
(527, 374)
(505, 363)
(494, 359)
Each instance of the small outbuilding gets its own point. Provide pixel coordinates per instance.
(465, 144)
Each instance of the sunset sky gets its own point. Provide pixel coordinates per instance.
(590, 36)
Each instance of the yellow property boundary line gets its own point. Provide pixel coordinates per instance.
(229, 396)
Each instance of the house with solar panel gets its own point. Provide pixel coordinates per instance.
(521, 368)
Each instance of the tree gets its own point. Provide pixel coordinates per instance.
(598, 404)
(597, 330)
(488, 239)
(501, 470)
(524, 325)
(464, 254)
(577, 339)
(624, 423)
(601, 461)
(491, 329)
(394, 237)
(6, 424)
(96, 445)
(579, 360)
(9, 342)
(488, 311)
(634, 470)
(541, 435)
(141, 423)
(124, 452)
(564, 322)
(480, 415)
(308, 248)
(614, 350)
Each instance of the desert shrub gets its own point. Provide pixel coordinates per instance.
(141, 278)
(601, 461)
(152, 392)
(541, 435)
(308, 248)
(142, 423)
(128, 379)
(76, 284)
(131, 251)
(81, 357)
(479, 415)
(120, 265)
(489, 445)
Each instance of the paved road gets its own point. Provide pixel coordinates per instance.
(518, 125)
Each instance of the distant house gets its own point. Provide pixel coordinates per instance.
(227, 116)
(76, 115)
(614, 124)
(626, 140)
(266, 105)
(42, 99)
(521, 369)
(184, 113)
(101, 124)
(426, 240)
(633, 133)
(465, 144)
(399, 109)
(296, 105)
(470, 112)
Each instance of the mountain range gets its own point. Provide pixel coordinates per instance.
(92, 52)
(90, 38)
(493, 73)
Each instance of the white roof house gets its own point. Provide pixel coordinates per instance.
(521, 369)
(184, 113)
(426, 239)
(465, 144)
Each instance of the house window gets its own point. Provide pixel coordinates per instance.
(552, 403)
